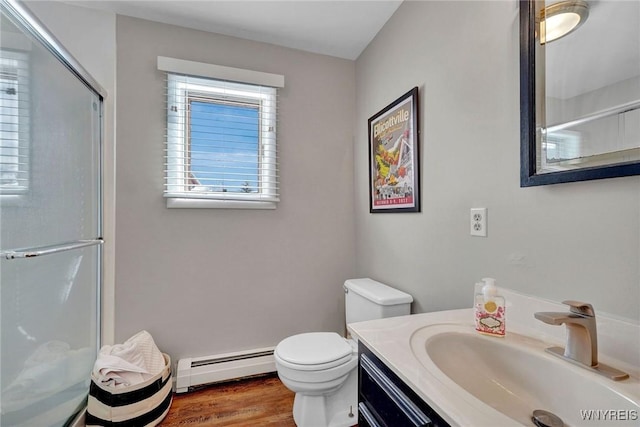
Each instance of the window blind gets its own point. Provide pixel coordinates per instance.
(220, 138)
(14, 122)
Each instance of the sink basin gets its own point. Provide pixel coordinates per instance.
(515, 376)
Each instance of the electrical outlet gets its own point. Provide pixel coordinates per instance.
(479, 222)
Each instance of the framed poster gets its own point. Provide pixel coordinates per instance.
(393, 157)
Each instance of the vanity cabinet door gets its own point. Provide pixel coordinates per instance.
(366, 417)
(386, 401)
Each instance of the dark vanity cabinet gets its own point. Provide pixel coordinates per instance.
(386, 401)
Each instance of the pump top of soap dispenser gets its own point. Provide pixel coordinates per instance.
(489, 289)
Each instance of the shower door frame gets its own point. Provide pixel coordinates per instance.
(39, 31)
(16, 10)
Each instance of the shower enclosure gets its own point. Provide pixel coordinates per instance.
(50, 225)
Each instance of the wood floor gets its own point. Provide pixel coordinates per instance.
(262, 401)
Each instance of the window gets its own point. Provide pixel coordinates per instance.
(14, 123)
(221, 143)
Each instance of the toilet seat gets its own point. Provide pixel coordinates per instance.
(314, 351)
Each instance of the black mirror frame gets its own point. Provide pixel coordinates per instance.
(528, 150)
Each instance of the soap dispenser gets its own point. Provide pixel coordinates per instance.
(489, 309)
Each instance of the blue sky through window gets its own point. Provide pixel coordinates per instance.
(225, 145)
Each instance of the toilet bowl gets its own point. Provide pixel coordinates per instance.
(321, 368)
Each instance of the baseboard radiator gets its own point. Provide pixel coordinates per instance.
(197, 371)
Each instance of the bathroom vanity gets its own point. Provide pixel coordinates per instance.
(385, 400)
(434, 369)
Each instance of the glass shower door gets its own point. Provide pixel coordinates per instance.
(50, 230)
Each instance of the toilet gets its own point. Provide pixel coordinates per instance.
(321, 367)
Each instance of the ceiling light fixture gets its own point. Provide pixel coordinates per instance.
(559, 19)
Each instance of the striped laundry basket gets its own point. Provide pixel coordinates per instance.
(145, 404)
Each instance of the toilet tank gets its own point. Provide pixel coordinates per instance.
(366, 299)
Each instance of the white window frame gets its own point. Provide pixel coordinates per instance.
(213, 82)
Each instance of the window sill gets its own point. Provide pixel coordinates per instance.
(185, 203)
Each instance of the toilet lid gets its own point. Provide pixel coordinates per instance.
(315, 348)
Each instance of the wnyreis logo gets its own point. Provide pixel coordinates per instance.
(609, 414)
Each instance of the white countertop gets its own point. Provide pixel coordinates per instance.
(390, 340)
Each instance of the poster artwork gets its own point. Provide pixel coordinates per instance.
(393, 168)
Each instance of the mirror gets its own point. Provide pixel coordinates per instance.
(580, 92)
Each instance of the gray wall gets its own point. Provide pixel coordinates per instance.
(567, 241)
(579, 240)
(206, 281)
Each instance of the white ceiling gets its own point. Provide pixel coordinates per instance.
(336, 28)
(601, 52)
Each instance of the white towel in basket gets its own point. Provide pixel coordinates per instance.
(130, 363)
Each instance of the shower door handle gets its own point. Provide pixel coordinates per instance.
(48, 250)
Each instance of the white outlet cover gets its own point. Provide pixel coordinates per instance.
(478, 222)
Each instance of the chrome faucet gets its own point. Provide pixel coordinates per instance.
(582, 337)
